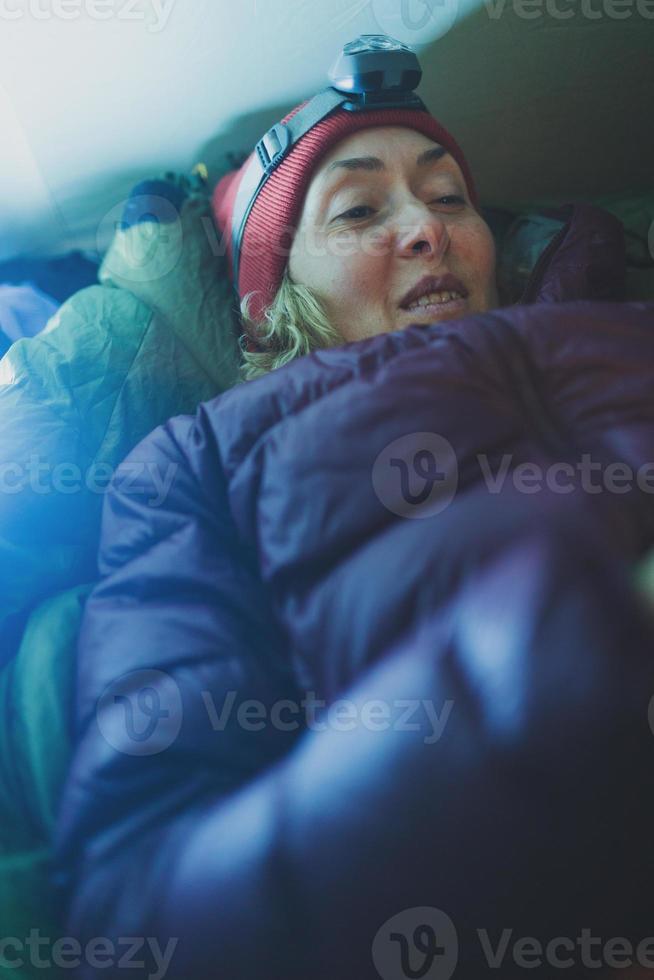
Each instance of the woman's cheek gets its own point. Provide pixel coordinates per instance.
(343, 246)
(353, 261)
(488, 269)
(349, 285)
(475, 251)
(376, 243)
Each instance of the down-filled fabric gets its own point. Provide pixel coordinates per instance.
(154, 339)
(444, 517)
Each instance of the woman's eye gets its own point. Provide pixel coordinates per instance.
(451, 199)
(352, 212)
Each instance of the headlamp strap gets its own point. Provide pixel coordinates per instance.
(269, 153)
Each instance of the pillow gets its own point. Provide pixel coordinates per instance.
(521, 236)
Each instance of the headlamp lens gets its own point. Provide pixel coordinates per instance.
(374, 42)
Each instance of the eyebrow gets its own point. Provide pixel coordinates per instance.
(374, 163)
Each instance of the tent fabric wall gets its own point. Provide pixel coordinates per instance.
(550, 99)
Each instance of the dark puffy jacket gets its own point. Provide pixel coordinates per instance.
(359, 528)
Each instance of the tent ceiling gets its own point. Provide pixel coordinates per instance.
(553, 105)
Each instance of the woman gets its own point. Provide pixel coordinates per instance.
(318, 740)
(351, 264)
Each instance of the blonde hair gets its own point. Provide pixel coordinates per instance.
(296, 323)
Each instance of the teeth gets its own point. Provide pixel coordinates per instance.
(444, 296)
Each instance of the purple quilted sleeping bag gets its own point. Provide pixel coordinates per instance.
(366, 656)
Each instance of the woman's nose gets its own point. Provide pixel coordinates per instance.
(422, 231)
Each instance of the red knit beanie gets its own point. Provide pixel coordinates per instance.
(270, 226)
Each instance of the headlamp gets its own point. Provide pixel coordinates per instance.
(374, 67)
(372, 72)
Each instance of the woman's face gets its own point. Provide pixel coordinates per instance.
(371, 229)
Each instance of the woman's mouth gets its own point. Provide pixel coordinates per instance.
(446, 302)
